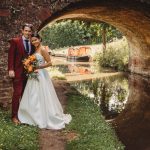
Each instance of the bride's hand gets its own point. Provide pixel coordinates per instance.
(38, 67)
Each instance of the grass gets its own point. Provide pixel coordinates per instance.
(12, 137)
(94, 133)
(88, 122)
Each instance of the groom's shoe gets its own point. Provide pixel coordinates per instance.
(16, 121)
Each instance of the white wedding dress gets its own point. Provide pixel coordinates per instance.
(40, 105)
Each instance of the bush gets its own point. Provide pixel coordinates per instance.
(115, 56)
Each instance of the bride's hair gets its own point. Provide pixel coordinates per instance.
(35, 34)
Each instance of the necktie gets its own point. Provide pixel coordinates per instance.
(27, 46)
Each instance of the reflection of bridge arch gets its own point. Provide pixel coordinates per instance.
(133, 123)
(130, 17)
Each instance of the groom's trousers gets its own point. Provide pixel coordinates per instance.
(18, 88)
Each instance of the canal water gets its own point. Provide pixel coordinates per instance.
(110, 93)
(124, 99)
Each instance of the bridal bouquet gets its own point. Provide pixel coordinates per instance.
(30, 65)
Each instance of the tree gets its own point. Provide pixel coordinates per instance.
(72, 33)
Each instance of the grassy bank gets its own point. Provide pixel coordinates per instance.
(92, 130)
(14, 137)
(93, 133)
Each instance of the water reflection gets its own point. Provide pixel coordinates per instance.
(81, 68)
(126, 102)
(109, 93)
(75, 68)
(133, 123)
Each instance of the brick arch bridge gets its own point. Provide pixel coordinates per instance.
(130, 17)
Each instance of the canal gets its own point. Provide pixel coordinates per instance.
(124, 99)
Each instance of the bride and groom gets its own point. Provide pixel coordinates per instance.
(34, 102)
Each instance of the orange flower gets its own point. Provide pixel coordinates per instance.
(30, 68)
(26, 62)
(30, 65)
(32, 57)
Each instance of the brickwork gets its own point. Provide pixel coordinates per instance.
(13, 13)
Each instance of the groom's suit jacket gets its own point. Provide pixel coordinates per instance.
(16, 55)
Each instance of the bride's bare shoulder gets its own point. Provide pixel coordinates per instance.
(44, 50)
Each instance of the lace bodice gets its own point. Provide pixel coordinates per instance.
(40, 58)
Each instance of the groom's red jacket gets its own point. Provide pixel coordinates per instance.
(16, 55)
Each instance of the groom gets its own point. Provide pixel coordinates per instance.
(20, 48)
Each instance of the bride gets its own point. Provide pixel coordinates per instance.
(40, 105)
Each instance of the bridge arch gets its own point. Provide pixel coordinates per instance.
(131, 18)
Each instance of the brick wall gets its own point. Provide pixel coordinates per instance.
(13, 13)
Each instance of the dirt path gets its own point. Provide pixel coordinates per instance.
(51, 139)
